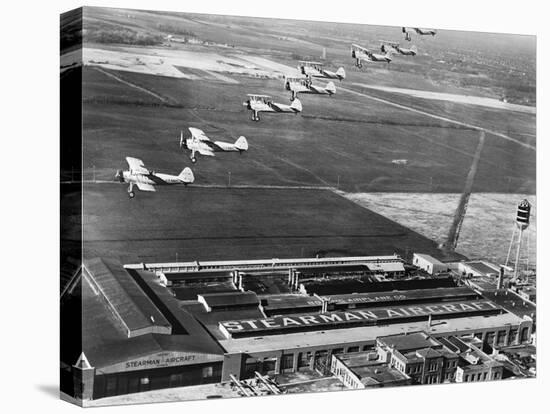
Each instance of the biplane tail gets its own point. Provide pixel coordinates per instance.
(414, 50)
(241, 144)
(186, 176)
(330, 88)
(341, 73)
(296, 105)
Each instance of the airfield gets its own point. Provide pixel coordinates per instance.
(288, 195)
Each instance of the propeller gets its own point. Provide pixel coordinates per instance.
(119, 176)
(183, 144)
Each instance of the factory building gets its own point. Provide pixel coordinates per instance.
(132, 341)
(165, 325)
(429, 264)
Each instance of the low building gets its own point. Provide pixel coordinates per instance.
(419, 356)
(479, 268)
(362, 369)
(429, 264)
(474, 365)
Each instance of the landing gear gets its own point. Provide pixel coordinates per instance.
(131, 194)
(193, 160)
(255, 116)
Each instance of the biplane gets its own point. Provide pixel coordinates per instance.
(200, 143)
(146, 180)
(408, 31)
(316, 70)
(305, 85)
(394, 47)
(360, 54)
(264, 103)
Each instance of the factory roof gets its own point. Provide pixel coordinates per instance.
(408, 342)
(290, 301)
(339, 337)
(425, 295)
(483, 268)
(229, 299)
(346, 286)
(104, 340)
(133, 309)
(386, 267)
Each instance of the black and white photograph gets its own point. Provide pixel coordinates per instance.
(259, 206)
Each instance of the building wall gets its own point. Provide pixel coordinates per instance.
(106, 385)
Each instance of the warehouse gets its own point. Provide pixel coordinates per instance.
(145, 330)
(130, 343)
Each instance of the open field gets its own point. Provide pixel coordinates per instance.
(486, 230)
(141, 88)
(222, 224)
(342, 140)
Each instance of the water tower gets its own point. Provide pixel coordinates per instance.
(522, 222)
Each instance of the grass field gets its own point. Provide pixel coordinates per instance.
(487, 227)
(222, 224)
(342, 139)
(349, 141)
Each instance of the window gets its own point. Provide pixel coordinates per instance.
(269, 365)
(353, 349)
(484, 376)
(207, 372)
(465, 378)
(524, 334)
(501, 337)
(287, 361)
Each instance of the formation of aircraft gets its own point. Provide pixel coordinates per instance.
(200, 143)
(146, 180)
(408, 31)
(361, 54)
(316, 70)
(305, 85)
(264, 103)
(395, 48)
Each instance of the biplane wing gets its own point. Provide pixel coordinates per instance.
(198, 134)
(136, 166)
(145, 187)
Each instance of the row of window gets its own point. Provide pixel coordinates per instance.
(481, 376)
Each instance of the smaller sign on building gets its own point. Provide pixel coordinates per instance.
(161, 360)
